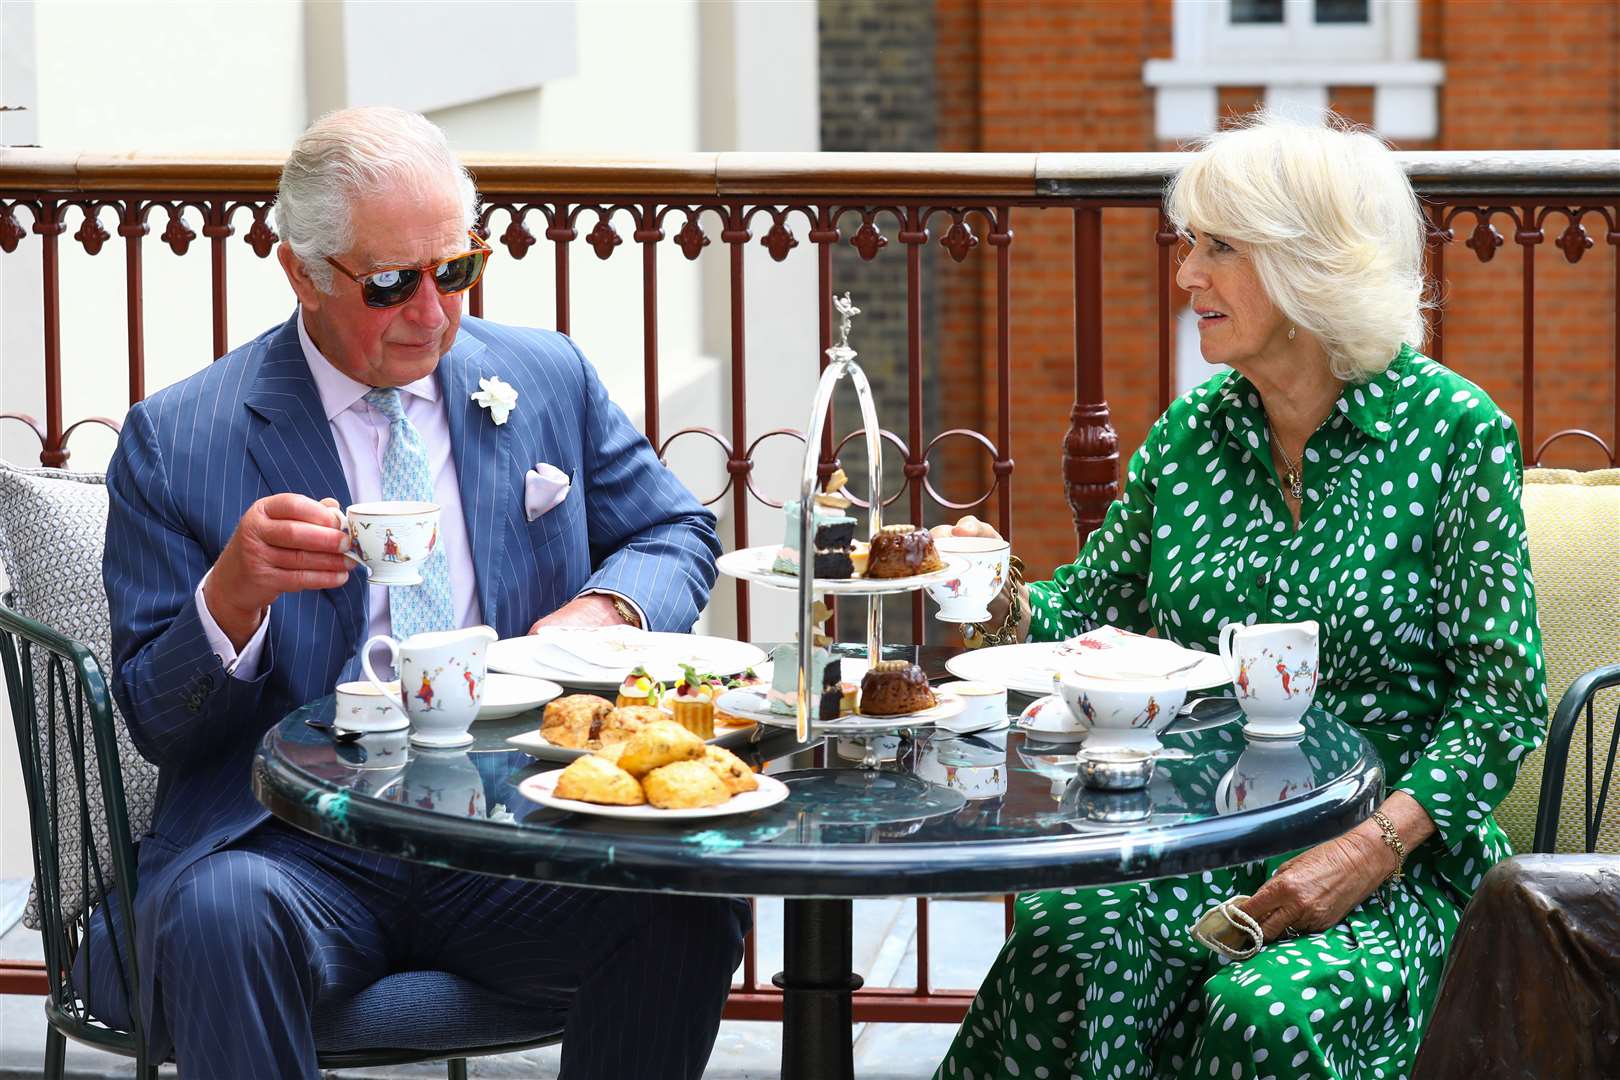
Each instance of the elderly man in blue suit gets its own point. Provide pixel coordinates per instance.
(231, 605)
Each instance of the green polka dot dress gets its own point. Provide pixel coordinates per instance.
(1411, 554)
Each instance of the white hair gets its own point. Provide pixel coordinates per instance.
(350, 153)
(1331, 223)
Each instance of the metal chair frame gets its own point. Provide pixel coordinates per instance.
(68, 664)
(1576, 703)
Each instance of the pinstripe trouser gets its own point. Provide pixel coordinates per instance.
(253, 939)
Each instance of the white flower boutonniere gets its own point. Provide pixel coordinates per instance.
(496, 396)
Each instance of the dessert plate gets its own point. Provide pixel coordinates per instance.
(1029, 667)
(752, 704)
(754, 564)
(575, 659)
(539, 789)
(507, 695)
(536, 745)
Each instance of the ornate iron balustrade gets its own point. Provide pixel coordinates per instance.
(1481, 201)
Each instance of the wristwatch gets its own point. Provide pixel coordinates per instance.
(626, 612)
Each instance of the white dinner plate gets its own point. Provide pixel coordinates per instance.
(539, 789)
(1029, 667)
(752, 704)
(754, 564)
(537, 745)
(507, 695)
(662, 654)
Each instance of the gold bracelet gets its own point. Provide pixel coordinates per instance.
(1392, 840)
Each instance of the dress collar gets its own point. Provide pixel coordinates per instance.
(1368, 405)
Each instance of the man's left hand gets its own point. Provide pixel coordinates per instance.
(593, 609)
(1318, 887)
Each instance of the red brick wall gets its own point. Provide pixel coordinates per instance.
(1036, 76)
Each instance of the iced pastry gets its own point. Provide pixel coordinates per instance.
(691, 702)
(895, 687)
(832, 533)
(639, 688)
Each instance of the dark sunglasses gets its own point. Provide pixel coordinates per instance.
(391, 286)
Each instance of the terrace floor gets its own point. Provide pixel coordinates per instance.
(885, 955)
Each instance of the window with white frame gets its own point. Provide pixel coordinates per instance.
(1297, 50)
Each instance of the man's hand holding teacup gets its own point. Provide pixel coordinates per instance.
(284, 543)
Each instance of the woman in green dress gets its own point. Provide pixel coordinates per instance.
(1335, 474)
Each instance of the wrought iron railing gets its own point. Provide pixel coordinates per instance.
(767, 206)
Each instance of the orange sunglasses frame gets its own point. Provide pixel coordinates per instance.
(426, 271)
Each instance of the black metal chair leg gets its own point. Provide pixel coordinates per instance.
(457, 1068)
(55, 1053)
(148, 1072)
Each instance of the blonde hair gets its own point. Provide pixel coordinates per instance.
(1331, 223)
(354, 152)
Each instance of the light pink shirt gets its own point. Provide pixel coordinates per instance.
(361, 434)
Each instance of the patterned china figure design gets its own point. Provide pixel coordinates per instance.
(1148, 715)
(433, 540)
(1273, 706)
(390, 547)
(429, 664)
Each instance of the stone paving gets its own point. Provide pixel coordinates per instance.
(965, 934)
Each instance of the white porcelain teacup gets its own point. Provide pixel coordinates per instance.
(365, 708)
(1124, 714)
(391, 539)
(1274, 670)
(441, 680)
(965, 597)
(984, 705)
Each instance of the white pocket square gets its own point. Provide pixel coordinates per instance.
(544, 486)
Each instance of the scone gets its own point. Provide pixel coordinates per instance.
(737, 776)
(684, 785)
(658, 744)
(622, 724)
(611, 752)
(595, 780)
(574, 721)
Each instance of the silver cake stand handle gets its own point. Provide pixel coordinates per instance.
(841, 365)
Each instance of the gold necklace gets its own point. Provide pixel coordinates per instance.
(1294, 477)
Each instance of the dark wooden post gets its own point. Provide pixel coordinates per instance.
(1091, 448)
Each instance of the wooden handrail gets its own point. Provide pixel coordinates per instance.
(869, 176)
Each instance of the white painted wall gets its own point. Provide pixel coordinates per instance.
(652, 77)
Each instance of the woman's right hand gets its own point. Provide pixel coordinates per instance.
(968, 526)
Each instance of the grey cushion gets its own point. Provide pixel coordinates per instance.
(53, 526)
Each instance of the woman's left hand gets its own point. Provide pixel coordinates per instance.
(1318, 887)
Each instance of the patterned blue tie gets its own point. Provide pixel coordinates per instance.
(412, 609)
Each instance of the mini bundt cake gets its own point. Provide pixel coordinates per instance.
(895, 687)
(902, 551)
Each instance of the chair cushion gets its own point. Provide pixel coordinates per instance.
(1573, 522)
(408, 1010)
(53, 526)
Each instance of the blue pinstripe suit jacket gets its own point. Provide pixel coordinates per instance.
(194, 456)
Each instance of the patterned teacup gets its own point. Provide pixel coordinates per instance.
(441, 679)
(364, 708)
(390, 539)
(1274, 669)
(965, 597)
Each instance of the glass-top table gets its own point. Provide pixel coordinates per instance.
(994, 812)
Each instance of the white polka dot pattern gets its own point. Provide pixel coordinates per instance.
(1411, 554)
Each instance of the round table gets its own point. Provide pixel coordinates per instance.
(994, 812)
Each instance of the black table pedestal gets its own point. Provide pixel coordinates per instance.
(816, 985)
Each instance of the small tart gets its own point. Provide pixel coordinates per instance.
(639, 688)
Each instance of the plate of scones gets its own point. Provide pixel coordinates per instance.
(579, 724)
(663, 772)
